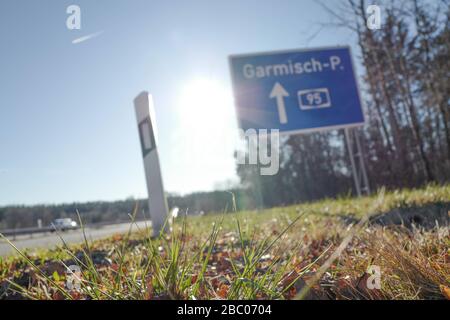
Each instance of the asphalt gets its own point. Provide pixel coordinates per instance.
(50, 240)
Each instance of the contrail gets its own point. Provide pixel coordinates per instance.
(84, 38)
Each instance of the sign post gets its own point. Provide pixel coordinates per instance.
(146, 121)
(299, 91)
(358, 166)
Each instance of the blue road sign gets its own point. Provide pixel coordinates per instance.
(297, 90)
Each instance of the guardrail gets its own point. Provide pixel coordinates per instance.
(30, 231)
(18, 232)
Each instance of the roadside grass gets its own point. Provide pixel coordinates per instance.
(317, 250)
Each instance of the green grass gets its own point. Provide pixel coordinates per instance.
(303, 251)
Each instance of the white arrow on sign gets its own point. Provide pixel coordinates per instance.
(279, 92)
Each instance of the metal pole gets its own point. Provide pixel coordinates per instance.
(362, 164)
(352, 161)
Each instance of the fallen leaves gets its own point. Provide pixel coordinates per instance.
(445, 291)
(223, 291)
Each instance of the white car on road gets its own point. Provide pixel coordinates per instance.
(64, 224)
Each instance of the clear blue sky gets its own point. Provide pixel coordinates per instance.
(67, 124)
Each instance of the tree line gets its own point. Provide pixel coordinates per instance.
(16, 217)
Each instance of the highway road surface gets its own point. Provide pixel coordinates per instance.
(50, 240)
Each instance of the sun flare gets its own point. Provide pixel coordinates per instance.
(206, 104)
(205, 134)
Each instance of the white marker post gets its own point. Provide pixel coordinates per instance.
(145, 116)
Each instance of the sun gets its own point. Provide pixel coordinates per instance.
(204, 135)
(206, 104)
